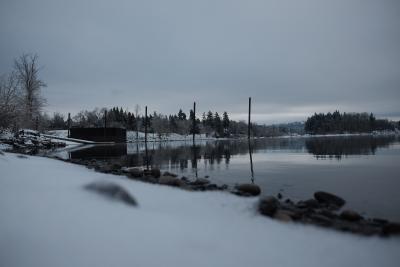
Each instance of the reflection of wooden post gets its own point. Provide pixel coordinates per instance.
(69, 125)
(194, 161)
(37, 123)
(194, 121)
(249, 123)
(251, 162)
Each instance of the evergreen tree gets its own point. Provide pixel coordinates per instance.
(181, 115)
(210, 119)
(218, 124)
(193, 129)
(225, 123)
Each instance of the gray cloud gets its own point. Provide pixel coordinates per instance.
(293, 57)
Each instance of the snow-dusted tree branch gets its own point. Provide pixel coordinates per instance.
(26, 70)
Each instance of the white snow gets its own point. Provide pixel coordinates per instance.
(131, 137)
(48, 219)
(5, 146)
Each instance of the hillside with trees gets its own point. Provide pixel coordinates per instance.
(339, 123)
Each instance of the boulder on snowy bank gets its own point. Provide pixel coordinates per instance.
(112, 191)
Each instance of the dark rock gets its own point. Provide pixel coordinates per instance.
(112, 191)
(346, 226)
(327, 213)
(115, 166)
(294, 212)
(350, 215)
(248, 189)
(184, 178)
(212, 187)
(283, 216)
(104, 168)
(156, 173)
(170, 174)
(289, 201)
(22, 156)
(198, 187)
(135, 172)
(379, 221)
(268, 206)
(391, 228)
(328, 198)
(309, 204)
(279, 196)
(224, 187)
(200, 181)
(147, 172)
(170, 180)
(321, 219)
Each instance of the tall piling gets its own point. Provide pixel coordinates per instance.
(145, 138)
(69, 125)
(249, 121)
(194, 121)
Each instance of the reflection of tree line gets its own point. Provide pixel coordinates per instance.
(337, 147)
(218, 152)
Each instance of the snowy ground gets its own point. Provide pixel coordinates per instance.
(48, 219)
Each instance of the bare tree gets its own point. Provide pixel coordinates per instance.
(137, 110)
(26, 70)
(9, 99)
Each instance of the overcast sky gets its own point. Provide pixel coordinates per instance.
(293, 58)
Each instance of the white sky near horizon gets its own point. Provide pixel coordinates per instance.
(292, 57)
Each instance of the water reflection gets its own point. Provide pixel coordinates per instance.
(337, 147)
(288, 165)
(251, 161)
(178, 155)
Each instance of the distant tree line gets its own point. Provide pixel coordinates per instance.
(337, 123)
(209, 123)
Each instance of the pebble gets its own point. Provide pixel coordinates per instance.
(268, 206)
(350, 215)
(249, 189)
(328, 198)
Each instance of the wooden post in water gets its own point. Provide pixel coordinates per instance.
(105, 118)
(194, 121)
(145, 138)
(145, 125)
(249, 122)
(251, 162)
(105, 125)
(69, 125)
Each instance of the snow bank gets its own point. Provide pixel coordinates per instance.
(48, 219)
(131, 137)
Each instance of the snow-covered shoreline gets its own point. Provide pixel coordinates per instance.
(48, 219)
(172, 137)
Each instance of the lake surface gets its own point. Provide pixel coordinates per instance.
(364, 170)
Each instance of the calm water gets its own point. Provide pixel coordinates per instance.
(364, 170)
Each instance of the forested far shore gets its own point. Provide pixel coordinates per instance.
(339, 123)
(209, 123)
